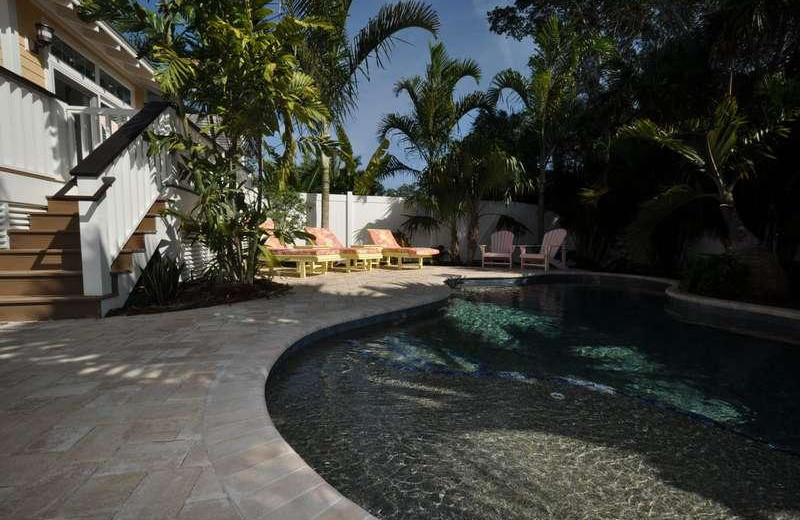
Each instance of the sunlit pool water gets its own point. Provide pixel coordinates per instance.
(535, 402)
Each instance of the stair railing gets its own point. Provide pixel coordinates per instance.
(117, 184)
(96, 124)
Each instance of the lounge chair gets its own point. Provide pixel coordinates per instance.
(391, 249)
(359, 257)
(308, 260)
(553, 242)
(502, 249)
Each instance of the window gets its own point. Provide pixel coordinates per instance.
(152, 96)
(115, 87)
(71, 57)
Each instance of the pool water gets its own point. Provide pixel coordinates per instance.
(536, 402)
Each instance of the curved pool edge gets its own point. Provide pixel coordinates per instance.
(254, 466)
(749, 319)
(258, 469)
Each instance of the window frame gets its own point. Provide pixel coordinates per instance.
(101, 96)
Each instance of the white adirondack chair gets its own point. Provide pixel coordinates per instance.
(552, 243)
(502, 249)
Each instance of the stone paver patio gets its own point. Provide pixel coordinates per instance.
(163, 416)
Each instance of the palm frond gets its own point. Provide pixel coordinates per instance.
(647, 130)
(378, 37)
(511, 80)
(639, 234)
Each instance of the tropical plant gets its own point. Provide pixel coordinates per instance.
(477, 168)
(428, 133)
(550, 94)
(717, 276)
(347, 175)
(235, 65)
(160, 281)
(337, 63)
(724, 150)
(404, 191)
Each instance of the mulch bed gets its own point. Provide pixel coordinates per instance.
(199, 294)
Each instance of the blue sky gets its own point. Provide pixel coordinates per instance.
(465, 32)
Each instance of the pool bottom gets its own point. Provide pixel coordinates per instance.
(462, 415)
(408, 445)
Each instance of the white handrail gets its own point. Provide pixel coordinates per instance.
(106, 225)
(102, 111)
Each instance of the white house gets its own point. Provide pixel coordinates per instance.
(78, 192)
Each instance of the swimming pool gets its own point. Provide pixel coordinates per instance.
(537, 402)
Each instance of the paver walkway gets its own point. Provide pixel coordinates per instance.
(163, 416)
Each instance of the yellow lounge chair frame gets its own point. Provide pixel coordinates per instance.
(354, 257)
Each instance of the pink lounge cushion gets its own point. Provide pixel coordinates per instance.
(383, 237)
(286, 251)
(412, 251)
(324, 237)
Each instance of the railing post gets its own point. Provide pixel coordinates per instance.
(5, 223)
(94, 246)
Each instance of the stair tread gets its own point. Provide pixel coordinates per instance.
(63, 232)
(43, 273)
(41, 232)
(4, 300)
(28, 251)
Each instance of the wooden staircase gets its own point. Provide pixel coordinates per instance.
(40, 275)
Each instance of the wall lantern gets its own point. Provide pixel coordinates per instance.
(44, 35)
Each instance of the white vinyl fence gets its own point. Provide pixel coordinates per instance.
(352, 215)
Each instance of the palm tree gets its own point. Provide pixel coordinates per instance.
(484, 169)
(427, 132)
(742, 30)
(337, 62)
(723, 150)
(550, 94)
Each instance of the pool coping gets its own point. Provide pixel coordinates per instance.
(250, 440)
(748, 319)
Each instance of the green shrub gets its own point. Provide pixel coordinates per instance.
(717, 276)
(160, 281)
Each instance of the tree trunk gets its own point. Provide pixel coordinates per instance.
(740, 238)
(455, 248)
(473, 230)
(540, 213)
(767, 281)
(325, 162)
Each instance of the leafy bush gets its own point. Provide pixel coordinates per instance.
(287, 210)
(718, 276)
(160, 282)
(402, 238)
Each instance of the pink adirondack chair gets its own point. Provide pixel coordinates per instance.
(552, 243)
(502, 249)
